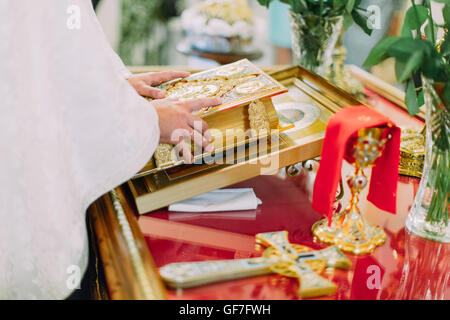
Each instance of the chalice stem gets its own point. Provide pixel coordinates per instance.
(349, 230)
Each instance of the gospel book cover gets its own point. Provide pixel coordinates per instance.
(236, 84)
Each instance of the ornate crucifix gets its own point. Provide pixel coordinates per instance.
(280, 257)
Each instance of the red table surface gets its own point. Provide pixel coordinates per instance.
(409, 267)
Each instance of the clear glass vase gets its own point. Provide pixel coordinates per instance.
(428, 216)
(314, 39)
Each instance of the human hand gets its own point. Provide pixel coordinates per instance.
(144, 83)
(178, 126)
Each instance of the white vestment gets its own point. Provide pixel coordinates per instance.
(71, 128)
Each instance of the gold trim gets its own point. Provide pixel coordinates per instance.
(412, 153)
(165, 155)
(136, 259)
(258, 117)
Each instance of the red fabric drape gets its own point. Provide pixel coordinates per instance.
(341, 127)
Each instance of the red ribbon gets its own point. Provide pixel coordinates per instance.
(342, 127)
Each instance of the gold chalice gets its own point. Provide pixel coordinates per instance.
(348, 229)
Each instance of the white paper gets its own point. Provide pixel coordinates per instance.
(219, 200)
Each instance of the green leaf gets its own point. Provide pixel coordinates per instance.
(428, 47)
(431, 33)
(348, 20)
(447, 94)
(445, 47)
(411, 66)
(411, 98)
(446, 13)
(265, 2)
(337, 4)
(406, 32)
(361, 21)
(301, 5)
(432, 68)
(415, 17)
(420, 98)
(404, 48)
(350, 5)
(399, 67)
(379, 53)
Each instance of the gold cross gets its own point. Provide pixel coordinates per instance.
(280, 257)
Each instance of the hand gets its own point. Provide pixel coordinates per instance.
(178, 126)
(143, 83)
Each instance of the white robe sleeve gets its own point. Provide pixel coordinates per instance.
(71, 128)
(115, 59)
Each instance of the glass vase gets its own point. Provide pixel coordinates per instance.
(428, 216)
(313, 40)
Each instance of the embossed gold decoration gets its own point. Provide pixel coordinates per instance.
(229, 71)
(165, 155)
(237, 84)
(349, 230)
(259, 120)
(149, 287)
(250, 87)
(184, 89)
(412, 153)
(280, 257)
(187, 89)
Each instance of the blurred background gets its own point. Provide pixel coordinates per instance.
(154, 32)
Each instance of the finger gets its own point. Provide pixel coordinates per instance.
(200, 125)
(164, 102)
(147, 91)
(182, 133)
(202, 143)
(164, 76)
(197, 104)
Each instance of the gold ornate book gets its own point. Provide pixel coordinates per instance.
(245, 91)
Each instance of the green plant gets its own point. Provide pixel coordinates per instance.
(416, 53)
(421, 61)
(314, 11)
(316, 26)
(143, 27)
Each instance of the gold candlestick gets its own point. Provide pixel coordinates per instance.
(348, 230)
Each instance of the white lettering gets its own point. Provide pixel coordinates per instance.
(374, 281)
(374, 18)
(74, 20)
